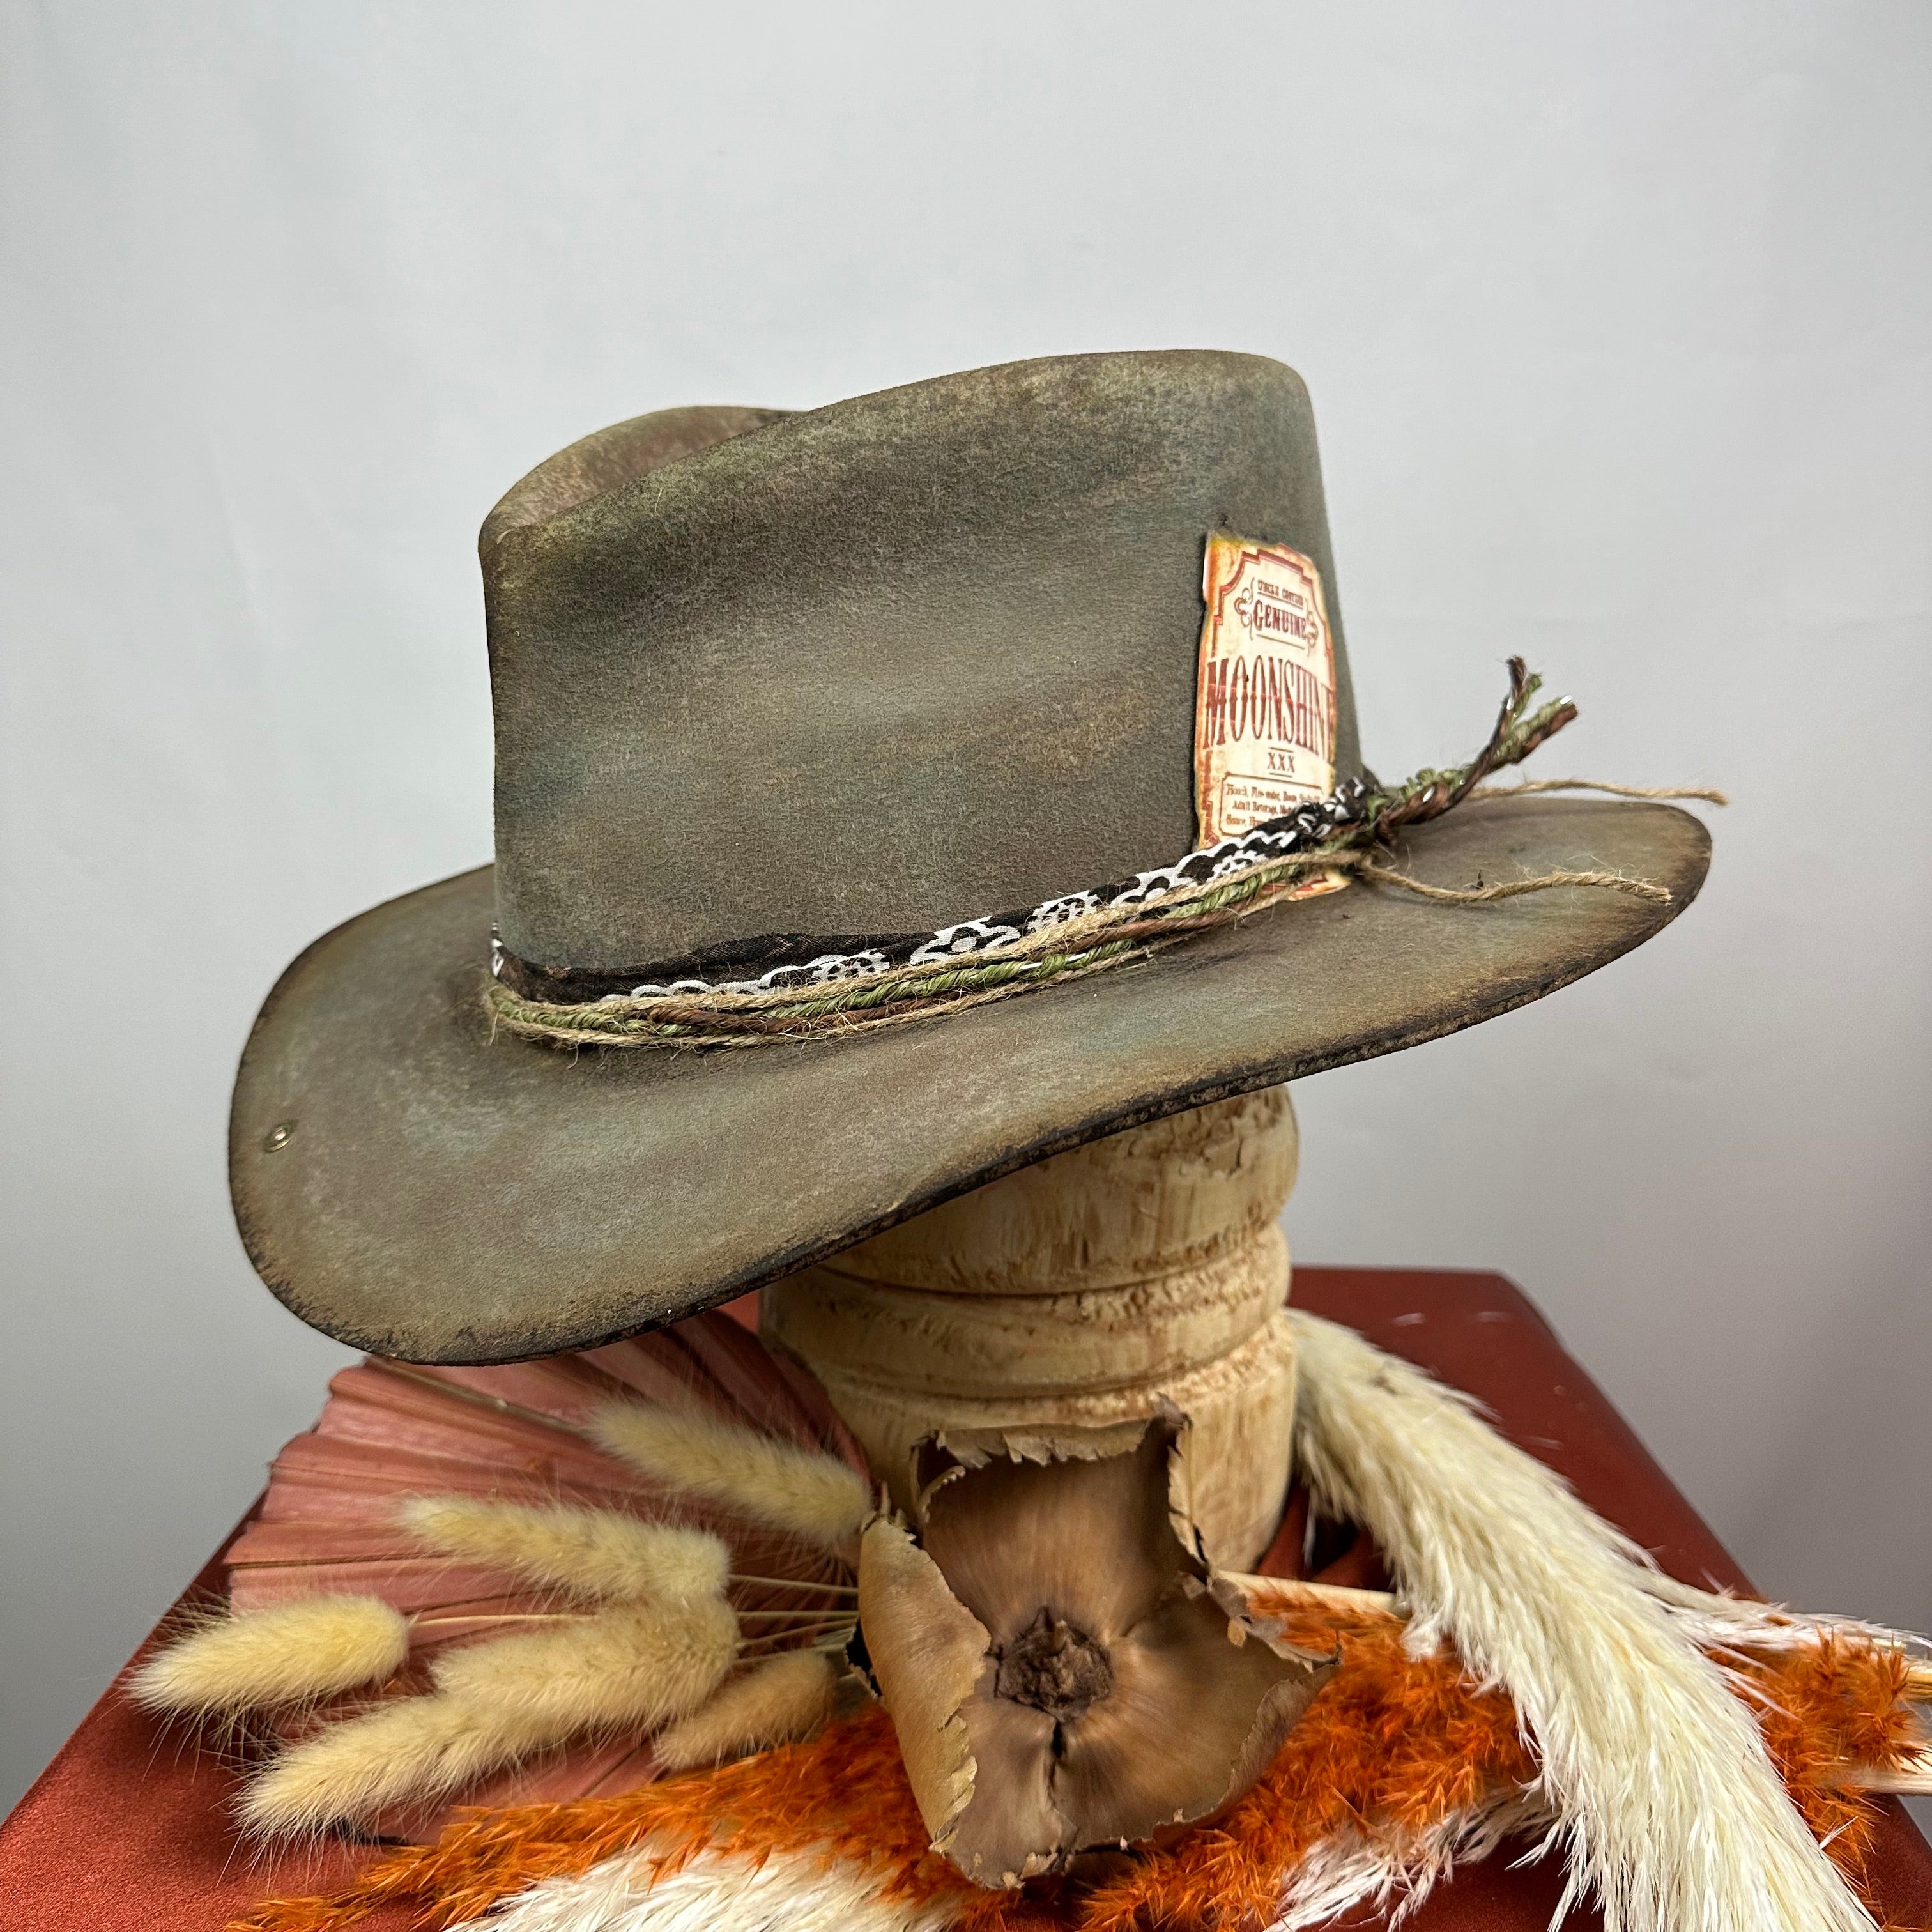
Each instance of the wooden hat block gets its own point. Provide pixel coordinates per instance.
(1086, 1290)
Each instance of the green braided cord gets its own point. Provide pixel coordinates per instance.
(614, 1020)
(857, 997)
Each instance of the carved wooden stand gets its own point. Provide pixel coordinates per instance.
(1082, 1291)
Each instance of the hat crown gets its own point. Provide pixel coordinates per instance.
(908, 659)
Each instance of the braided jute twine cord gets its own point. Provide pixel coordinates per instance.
(1097, 941)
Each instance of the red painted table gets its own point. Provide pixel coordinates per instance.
(124, 1833)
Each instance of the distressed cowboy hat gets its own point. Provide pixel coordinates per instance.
(805, 701)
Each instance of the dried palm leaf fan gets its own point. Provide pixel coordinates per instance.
(455, 1591)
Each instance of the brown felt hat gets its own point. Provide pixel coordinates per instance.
(761, 678)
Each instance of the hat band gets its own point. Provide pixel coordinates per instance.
(801, 961)
(811, 987)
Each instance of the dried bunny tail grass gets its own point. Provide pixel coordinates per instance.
(813, 1495)
(414, 1748)
(656, 1888)
(620, 1667)
(786, 1697)
(1671, 1810)
(595, 1553)
(495, 1703)
(291, 1653)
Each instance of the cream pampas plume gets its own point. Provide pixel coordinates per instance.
(800, 1891)
(786, 1697)
(813, 1495)
(294, 1653)
(637, 1891)
(1670, 1809)
(496, 1703)
(1351, 1870)
(642, 1890)
(594, 1553)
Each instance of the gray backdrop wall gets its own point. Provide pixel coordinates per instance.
(1616, 322)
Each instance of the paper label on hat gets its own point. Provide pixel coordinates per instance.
(1264, 708)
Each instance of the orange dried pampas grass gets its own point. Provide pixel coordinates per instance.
(1396, 1746)
(1841, 1702)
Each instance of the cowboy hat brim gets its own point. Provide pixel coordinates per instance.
(411, 1185)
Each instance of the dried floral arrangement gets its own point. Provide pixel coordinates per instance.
(647, 1612)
